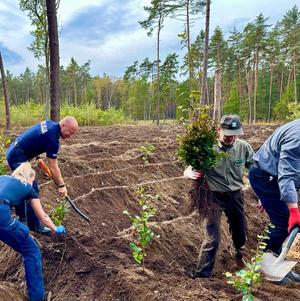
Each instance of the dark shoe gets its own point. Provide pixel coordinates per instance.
(290, 277)
(195, 274)
(240, 263)
(293, 276)
(42, 230)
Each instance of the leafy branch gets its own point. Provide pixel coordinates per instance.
(144, 234)
(246, 279)
(60, 212)
(147, 150)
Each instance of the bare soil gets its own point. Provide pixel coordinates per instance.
(102, 168)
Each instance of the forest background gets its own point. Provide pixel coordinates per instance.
(254, 72)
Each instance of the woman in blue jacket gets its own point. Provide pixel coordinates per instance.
(14, 190)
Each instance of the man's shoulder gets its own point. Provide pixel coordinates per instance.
(242, 143)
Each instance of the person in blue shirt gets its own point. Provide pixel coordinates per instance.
(14, 190)
(275, 178)
(41, 138)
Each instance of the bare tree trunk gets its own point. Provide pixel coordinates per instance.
(188, 41)
(158, 72)
(239, 87)
(54, 60)
(295, 78)
(248, 79)
(270, 93)
(217, 96)
(205, 59)
(281, 84)
(5, 91)
(255, 84)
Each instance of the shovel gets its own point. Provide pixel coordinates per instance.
(46, 169)
(276, 268)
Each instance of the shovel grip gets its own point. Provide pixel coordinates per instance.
(288, 244)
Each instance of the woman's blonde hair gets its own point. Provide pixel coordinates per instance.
(24, 172)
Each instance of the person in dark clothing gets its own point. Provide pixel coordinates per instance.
(41, 138)
(275, 178)
(225, 182)
(15, 190)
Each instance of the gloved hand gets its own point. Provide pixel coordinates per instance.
(192, 174)
(294, 218)
(60, 230)
(260, 206)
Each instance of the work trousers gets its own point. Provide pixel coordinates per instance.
(232, 204)
(266, 188)
(15, 157)
(16, 235)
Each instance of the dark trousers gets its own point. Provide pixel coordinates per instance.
(15, 157)
(266, 188)
(16, 235)
(232, 203)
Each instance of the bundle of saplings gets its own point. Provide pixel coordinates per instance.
(196, 149)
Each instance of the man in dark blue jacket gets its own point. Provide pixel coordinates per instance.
(275, 178)
(41, 138)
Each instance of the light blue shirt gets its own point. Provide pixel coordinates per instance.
(280, 157)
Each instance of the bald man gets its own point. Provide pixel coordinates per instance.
(41, 138)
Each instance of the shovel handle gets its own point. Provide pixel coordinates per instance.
(288, 244)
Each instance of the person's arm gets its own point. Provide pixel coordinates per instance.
(41, 214)
(56, 175)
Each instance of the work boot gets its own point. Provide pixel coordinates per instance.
(239, 258)
(41, 229)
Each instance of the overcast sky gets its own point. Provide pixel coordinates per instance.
(107, 31)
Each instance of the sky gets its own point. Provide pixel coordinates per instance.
(107, 32)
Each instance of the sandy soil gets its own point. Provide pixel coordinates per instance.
(102, 167)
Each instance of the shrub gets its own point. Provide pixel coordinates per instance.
(60, 212)
(196, 146)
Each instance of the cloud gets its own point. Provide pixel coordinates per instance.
(107, 31)
(10, 57)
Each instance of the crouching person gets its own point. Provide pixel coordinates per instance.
(14, 190)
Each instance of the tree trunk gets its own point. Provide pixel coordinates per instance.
(54, 60)
(248, 79)
(5, 92)
(295, 78)
(270, 93)
(205, 59)
(158, 72)
(217, 96)
(255, 84)
(188, 41)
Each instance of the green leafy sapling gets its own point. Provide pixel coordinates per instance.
(60, 212)
(146, 150)
(196, 145)
(143, 233)
(248, 278)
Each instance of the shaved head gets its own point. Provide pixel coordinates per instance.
(68, 127)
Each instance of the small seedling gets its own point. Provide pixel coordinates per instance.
(60, 212)
(246, 279)
(144, 235)
(147, 150)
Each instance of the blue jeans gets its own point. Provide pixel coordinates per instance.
(16, 235)
(15, 157)
(266, 188)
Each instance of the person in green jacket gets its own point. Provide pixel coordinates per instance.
(225, 183)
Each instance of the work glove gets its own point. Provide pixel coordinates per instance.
(60, 230)
(294, 219)
(192, 174)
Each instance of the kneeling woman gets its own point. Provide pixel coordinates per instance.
(14, 190)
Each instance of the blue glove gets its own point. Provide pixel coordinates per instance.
(60, 230)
